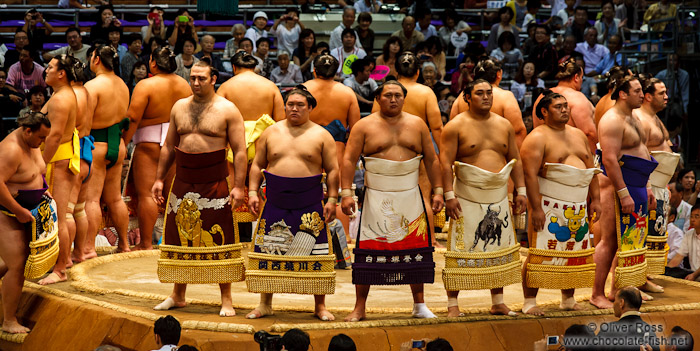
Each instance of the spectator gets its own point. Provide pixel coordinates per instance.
(295, 340)
(566, 14)
(660, 10)
(390, 51)
(568, 49)
(305, 53)
(246, 45)
(182, 28)
(519, 9)
(430, 77)
(675, 234)
(451, 23)
(288, 34)
(362, 84)
(543, 54)
(592, 52)
(262, 54)
(531, 16)
(608, 25)
(78, 4)
(36, 36)
(577, 331)
(232, 45)
(133, 41)
(365, 34)
(579, 24)
(187, 348)
(285, 73)
(11, 101)
(26, 73)
(342, 342)
(37, 97)
(336, 39)
(167, 332)
(676, 200)
(681, 80)
(75, 47)
(431, 50)
(115, 39)
(628, 14)
(613, 58)
(207, 43)
(465, 72)
(408, 34)
(690, 248)
(257, 30)
(370, 6)
(505, 14)
(530, 42)
(681, 340)
(630, 327)
(424, 17)
(438, 344)
(348, 49)
(21, 41)
(509, 55)
(138, 72)
(185, 60)
(151, 46)
(156, 26)
(105, 19)
(526, 87)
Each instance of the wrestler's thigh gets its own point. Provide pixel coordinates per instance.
(81, 194)
(96, 182)
(13, 245)
(144, 167)
(607, 203)
(113, 178)
(63, 182)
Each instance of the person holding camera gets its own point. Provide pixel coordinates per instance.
(288, 34)
(106, 19)
(182, 28)
(37, 35)
(156, 25)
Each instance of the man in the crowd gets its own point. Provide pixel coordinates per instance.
(26, 73)
(336, 39)
(362, 84)
(579, 24)
(592, 52)
(296, 340)
(11, 102)
(637, 334)
(348, 52)
(543, 53)
(691, 240)
(679, 85)
(21, 41)
(424, 17)
(612, 59)
(207, 43)
(75, 47)
(408, 34)
(286, 73)
(36, 35)
(134, 43)
(166, 331)
(568, 49)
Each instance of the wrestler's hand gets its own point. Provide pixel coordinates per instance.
(537, 218)
(48, 193)
(652, 199)
(627, 204)
(24, 216)
(329, 212)
(157, 192)
(453, 209)
(520, 204)
(348, 205)
(438, 203)
(254, 204)
(594, 210)
(237, 197)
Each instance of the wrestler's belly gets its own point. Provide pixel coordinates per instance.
(637, 151)
(14, 186)
(488, 160)
(293, 167)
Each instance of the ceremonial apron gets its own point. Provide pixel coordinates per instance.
(482, 250)
(657, 249)
(394, 241)
(200, 245)
(561, 255)
(292, 254)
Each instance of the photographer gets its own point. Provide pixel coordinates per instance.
(288, 34)
(156, 25)
(106, 18)
(37, 36)
(295, 340)
(166, 331)
(182, 28)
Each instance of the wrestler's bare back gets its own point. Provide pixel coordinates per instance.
(569, 147)
(63, 100)
(335, 101)
(28, 174)
(482, 142)
(657, 138)
(604, 104)
(254, 96)
(203, 127)
(295, 151)
(632, 141)
(158, 93)
(85, 110)
(112, 99)
(397, 139)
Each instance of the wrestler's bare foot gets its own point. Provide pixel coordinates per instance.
(13, 327)
(651, 287)
(259, 312)
(355, 316)
(142, 248)
(324, 315)
(123, 248)
(169, 303)
(502, 310)
(77, 258)
(89, 254)
(227, 311)
(454, 312)
(601, 302)
(534, 311)
(53, 278)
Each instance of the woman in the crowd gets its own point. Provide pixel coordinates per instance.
(608, 25)
(185, 59)
(37, 97)
(526, 87)
(151, 46)
(510, 56)
(505, 15)
(431, 50)
(232, 45)
(691, 188)
(390, 51)
(182, 28)
(115, 38)
(262, 54)
(305, 53)
(452, 23)
(105, 19)
(138, 72)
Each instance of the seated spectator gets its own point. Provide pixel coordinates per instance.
(305, 53)
(167, 333)
(431, 51)
(465, 72)
(187, 348)
(21, 41)
(185, 59)
(579, 24)
(151, 46)
(246, 45)
(138, 72)
(510, 56)
(390, 51)
(232, 45)
(207, 43)
(295, 340)
(11, 101)
(592, 52)
(115, 39)
(576, 331)
(78, 4)
(628, 14)
(37, 97)
(505, 14)
(689, 248)
(369, 6)
(408, 34)
(424, 17)
(429, 77)
(362, 84)
(530, 42)
(675, 234)
(630, 327)
(285, 73)
(36, 35)
(680, 340)
(105, 19)
(682, 82)
(568, 49)
(257, 30)
(519, 10)
(26, 73)
(451, 23)
(75, 47)
(346, 50)
(182, 28)
(608, 25)
(566, 15)
(342, 342)
(525, 87)
(288, 34)
(676, 199)
(613, 58)
(156, 26)
(530, 17)
(660, 10)
(131, 57)
(262, 54)
(543, 54)
(365, 34)
(336, 39)
(438, 344)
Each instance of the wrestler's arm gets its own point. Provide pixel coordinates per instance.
(432, 165)
(259, 163)
(330, 165)
(278, 113)
(448, 155)
(532, 156)
(236, 140)
(353, 110)
(434, 118)
(92, 105)
(167, 154)
(11, 159)
(353, 149)
(513, 114)
(58, 114)
(583, 118)
(139, 102)
(517, 173)
(611, 134)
